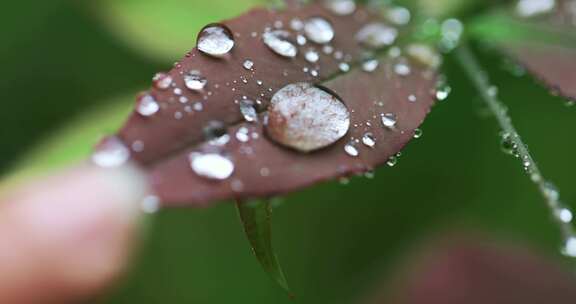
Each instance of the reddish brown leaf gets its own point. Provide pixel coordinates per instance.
(262, 167)
(554, 65)
(480, 272)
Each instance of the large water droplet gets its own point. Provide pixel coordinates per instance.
(377, 35)
(319, 30)
(211, 165)
(278, 42)
(341, 7)
(215, 40)
(195, 81)
(111, 153)
(307, 118)
(147, 105)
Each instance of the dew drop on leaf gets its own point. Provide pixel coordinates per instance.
(344, 67)
(531, 8)
(211, 165)
(377, 35)
(370, 65)
(402, 69)
(111, 153)
(214, 129)
(248, 110)
(215, 40)
(312, 56)
(369, 140)
(147, 105)
(389, 120)
(319, 30)
(278, 42)
(341, 7)
(418, 133)
(194, 81)
(399, 15)
(248, 64)
(351, 150)
(569, 249)
(162, 81)
(306, 118)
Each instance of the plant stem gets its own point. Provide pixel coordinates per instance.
(561, 215)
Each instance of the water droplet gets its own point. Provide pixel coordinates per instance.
(296, 24)
(377, 35)
(278, 42)
(248, 64)
(424, 54)
(312, 56)
(215, 40)
(531, 8)
(195, 81)
(351, 150)
(341, 7)
(569, 249)
(307, 118)
(389, 121)
(150, 204)
(301, 40)
(443, 90)
(418, 133)
(211, 165)
(147, 105)
(344, 67)
(412, 98)
(111, 153)
(248, 110)
(369, 140)
(370, 65)
(551, 192)
(508, 145)
(402, 69)
(214, 129)
(242, 135)
(392, 161)
(452, 30)
(162, 81)
(564, 215)
(399, 15)
(319, 30)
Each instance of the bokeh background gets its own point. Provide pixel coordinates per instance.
(71, 69)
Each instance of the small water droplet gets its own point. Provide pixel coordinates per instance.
(150, 204)
(195, 81)
(508, 145)
(215, 40)
(242, 135)
(377, 35)
(418, 133)
(425, 55)
(392, 161)
(307, 118)
(369, 140)
(147, 105)
(402, 69)
(278, 42)
(214, 129)
(301, 40)
(351, 150)
(531, 8)
(312, 56)
(344, 67)
(296, 24)
(162, 81)
(248, 64)
(370, 66)
(319, 30)
(569, 249)
(399, 15)
(111, 153)
(564, 215)
(389, 121)
(211, 165)
(341, 7)
(248, 110)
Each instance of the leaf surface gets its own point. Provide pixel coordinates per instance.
(262, 167)
(545, 44)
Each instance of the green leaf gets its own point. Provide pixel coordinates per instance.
(256, 219)
(73, 142)
(165, 29)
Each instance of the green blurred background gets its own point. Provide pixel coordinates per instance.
(71, 69)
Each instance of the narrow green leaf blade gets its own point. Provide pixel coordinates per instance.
(256, 217)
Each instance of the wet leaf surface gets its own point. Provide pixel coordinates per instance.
(206, 115)
(544, 42)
